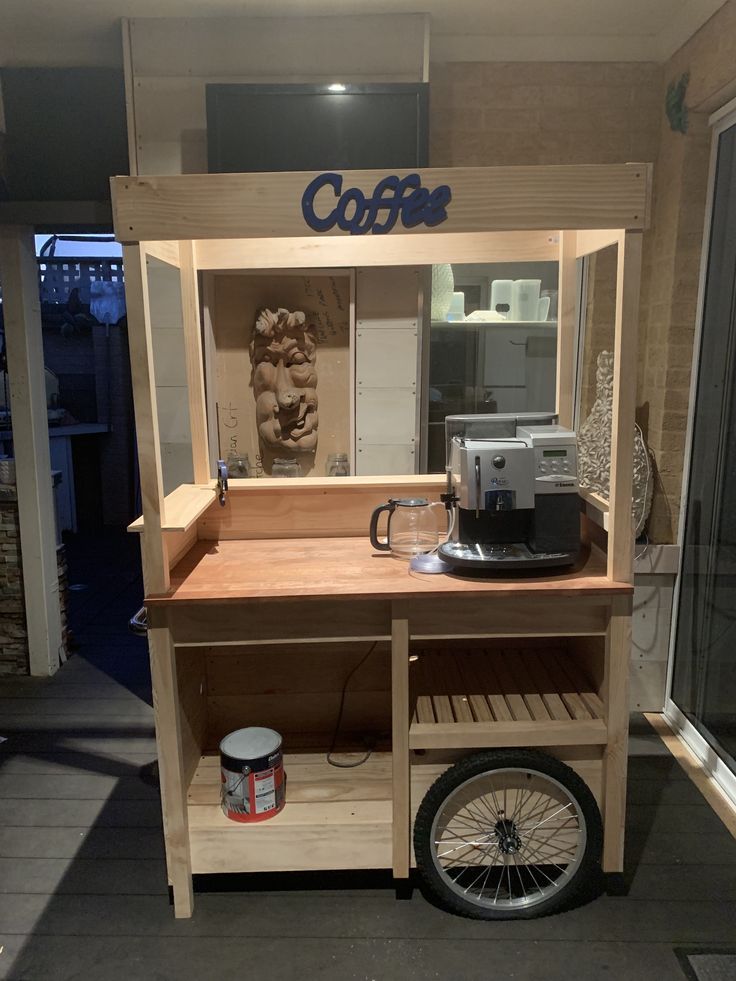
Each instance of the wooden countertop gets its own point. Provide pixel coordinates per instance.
(347, 568)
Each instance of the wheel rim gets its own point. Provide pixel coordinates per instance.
(508, 838)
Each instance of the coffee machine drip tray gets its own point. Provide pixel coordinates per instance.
(516, 555)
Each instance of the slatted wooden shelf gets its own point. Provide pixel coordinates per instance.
(511, 697)
(334, 819)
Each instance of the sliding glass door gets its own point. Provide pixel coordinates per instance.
(704, 671)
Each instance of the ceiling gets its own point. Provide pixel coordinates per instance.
(86, 32)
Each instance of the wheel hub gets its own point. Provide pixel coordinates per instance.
(509, 842)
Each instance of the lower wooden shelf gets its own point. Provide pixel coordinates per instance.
(334, 818)
(515, 697)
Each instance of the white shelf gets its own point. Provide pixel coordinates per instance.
(549, 324)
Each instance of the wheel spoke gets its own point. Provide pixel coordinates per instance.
(563, 808)
(477, 877)
(521, 881)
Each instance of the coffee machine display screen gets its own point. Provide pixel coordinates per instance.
(554, 452)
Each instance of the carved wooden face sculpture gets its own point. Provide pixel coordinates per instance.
(284, 356)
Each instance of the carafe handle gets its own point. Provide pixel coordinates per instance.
(373, 531)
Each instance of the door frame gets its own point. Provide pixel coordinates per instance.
(721, 120)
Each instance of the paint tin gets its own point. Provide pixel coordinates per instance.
(252, 771)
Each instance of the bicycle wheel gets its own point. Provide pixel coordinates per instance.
(508, 834)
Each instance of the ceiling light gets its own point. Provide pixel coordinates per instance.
(336, 87)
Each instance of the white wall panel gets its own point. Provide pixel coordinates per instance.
(385, 416)
(386, 358)
(379, 460)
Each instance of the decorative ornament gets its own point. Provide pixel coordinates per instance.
(283, 355)
(594, 448)
(674, 104)
(443, 286)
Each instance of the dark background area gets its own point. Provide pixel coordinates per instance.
(66, 133)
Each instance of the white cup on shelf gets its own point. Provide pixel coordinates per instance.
(525, 299)
(543, 308)
(502, 296)
(457, 307)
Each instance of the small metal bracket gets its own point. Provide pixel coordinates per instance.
(222, 482)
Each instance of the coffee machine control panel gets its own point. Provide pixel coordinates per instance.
(555, 458)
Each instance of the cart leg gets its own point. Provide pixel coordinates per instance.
(404, 888)
(170, 762)
(615, 760)
(400, 746)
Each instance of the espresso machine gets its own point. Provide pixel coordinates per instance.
(512, 490)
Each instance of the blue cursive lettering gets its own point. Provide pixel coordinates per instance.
(403, 198)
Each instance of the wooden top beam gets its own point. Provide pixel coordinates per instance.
(484, 199)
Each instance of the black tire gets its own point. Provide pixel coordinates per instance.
(540, 765)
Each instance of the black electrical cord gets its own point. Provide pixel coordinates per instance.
(336, 732)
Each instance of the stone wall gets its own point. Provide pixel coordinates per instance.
(13, 635)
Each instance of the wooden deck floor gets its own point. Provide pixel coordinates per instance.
(83, 886)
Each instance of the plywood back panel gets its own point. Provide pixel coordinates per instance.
(192, 694)
(234, 303)
(274, 48)
(170, 60)
(297, 689)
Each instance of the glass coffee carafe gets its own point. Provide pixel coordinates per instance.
(413, 526)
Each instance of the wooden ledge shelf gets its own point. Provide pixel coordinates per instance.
(334, 819)
(182, 507)
(483, 698)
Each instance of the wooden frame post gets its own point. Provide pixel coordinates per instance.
(401, 769)
(153, 543)
(193, 358)
(621, 529)
(615, 695)
(24, 343)
(172, 779)
(566, 306)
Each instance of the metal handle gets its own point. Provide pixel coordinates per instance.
(138, 623)
(477, 487)
(373, 530)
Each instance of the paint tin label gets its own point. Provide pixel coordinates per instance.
(253, 795)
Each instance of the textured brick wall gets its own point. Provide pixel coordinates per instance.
(13, 632)
(670, 293)
(13, 635)
(491, 114)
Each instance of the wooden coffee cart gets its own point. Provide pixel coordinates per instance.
(258, 610)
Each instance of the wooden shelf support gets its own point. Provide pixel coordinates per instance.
(621, 525)
(193, 360)
(400, 745)
(153, 543)
(172, 777)
(615, 759)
